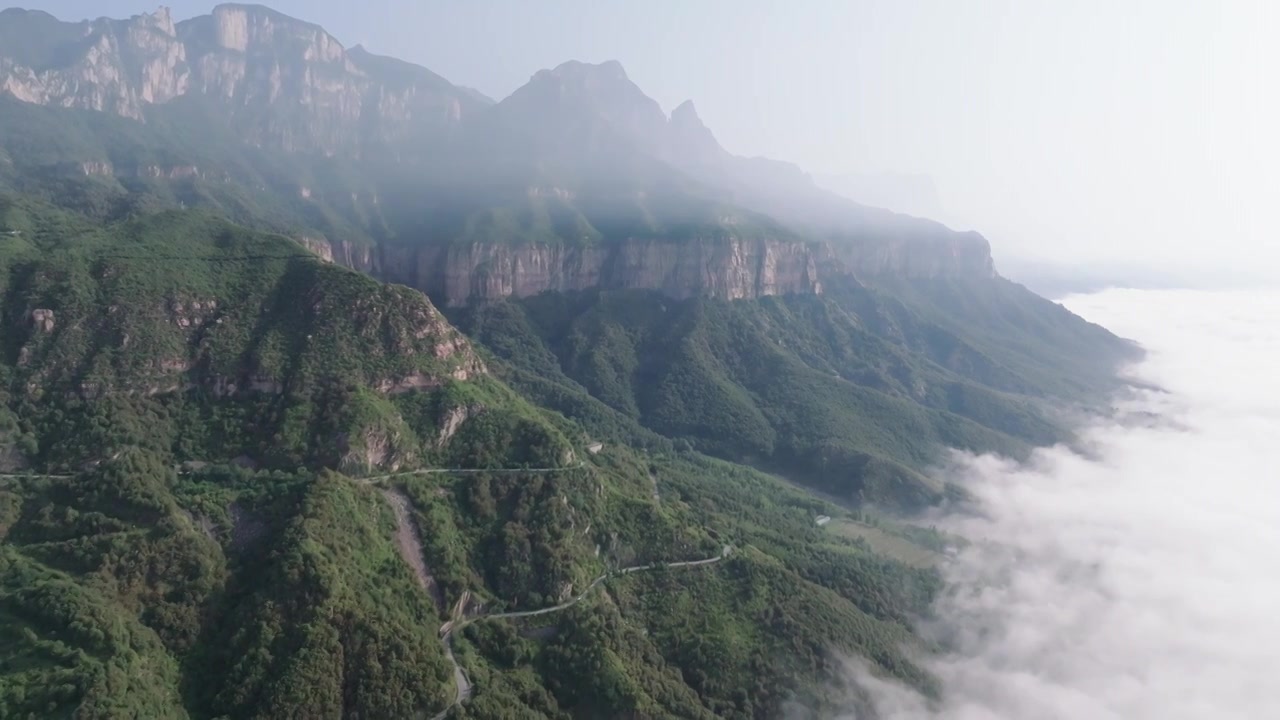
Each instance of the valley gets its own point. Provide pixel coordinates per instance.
(329, 388)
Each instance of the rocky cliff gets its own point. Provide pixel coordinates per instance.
(578, 152)
(115, 66)
(867, 240)
(937, 255)
(252, 60)
(454, 275)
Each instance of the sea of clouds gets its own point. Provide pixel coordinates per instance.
(1143, 582)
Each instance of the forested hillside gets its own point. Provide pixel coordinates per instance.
(854, 392)
(179, 393)
(329, 389)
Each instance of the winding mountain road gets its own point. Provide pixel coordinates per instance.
(33, 476)
(363, 481)
(451, 626)
(468, 471)
(447, 630)
(410, 546)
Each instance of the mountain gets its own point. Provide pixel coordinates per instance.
(180, 395)
(249, 57)
(329, 388)
(581, 175)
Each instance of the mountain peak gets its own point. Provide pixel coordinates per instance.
(607, 70)
(690, 142)
(257, 10)
(685, 108)
(161, 20)
(576, 99)
(242, 27)
(686, 116)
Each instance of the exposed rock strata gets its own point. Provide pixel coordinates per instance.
(923, 255)
(248, 57)
(454, 275)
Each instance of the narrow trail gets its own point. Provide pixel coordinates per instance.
(451, 626)
(468, 471)
(410, 546)
(363, 481)
(33, 476)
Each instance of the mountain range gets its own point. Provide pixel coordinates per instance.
(316, 366)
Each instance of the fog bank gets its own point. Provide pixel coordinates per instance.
(1147, 584)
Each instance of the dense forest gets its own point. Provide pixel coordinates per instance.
(192, 525)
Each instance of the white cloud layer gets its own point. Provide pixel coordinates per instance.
(1145, 585)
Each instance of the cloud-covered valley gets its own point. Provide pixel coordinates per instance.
(1143, 583)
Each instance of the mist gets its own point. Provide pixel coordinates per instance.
(1138, 135)
(1143, 583)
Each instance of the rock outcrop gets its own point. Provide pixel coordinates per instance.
(250, 59)
(115, 66)
(564, 157)
(869, 241)
(920, 256)
(730, 269)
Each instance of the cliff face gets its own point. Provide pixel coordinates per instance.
(110, 66)
(591, 147)
(867, 240)
(949, 254)
(252, 60)
(729, 269)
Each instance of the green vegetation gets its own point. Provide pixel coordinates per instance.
(733, 640)
(188, 156)
(202, 341)
(206, 432)
(241, 594)
(886, 543)
(178, 340)
(852, 393)
(121, 598)
(328, 622)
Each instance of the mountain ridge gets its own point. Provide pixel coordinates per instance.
(574, 336)
(578, 152)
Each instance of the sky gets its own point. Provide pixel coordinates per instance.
(1141, 584)
(1135, 133)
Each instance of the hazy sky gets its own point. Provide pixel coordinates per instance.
(1142, 585)
(1134, 131)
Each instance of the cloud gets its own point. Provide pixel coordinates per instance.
(1145, 582)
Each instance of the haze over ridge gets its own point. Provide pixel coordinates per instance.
(1082, 132)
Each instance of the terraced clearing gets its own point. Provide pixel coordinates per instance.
(886, 543)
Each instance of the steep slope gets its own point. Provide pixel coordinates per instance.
(851, 392)
(155, 332)
(870, 241)
(122, 597)
(579, 182)
(203, 412)
(480, 232)
(251, 59)
(153, 363)
(574, 174)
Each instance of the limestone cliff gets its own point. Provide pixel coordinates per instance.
(923, 255)
(606, 170)
(116, 66)
(252, 60)
(867, 240)
(729, 268)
